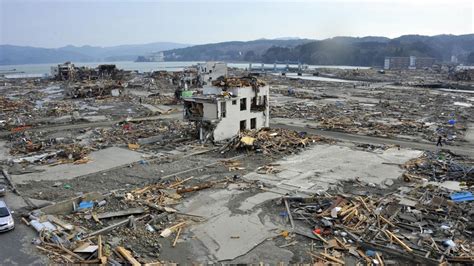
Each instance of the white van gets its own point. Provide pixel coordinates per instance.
(6, 218)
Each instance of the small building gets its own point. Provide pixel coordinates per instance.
(210, 71)
(153, 57)
(228, 106)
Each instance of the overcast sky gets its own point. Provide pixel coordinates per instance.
(54, 23)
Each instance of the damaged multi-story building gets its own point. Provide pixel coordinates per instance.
(69, 72)
(228, 106)
(66, 71)
(211, 71)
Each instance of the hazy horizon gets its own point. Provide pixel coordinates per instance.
(191, 44)
(54, 23)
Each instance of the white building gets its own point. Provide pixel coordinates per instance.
(454, 59)
(210, 71)
(220, 112)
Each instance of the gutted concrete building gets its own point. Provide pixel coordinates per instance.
(411, 62)
(211, 71)
(228, 106)
(66, 71)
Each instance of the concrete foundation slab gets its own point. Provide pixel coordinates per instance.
(322, 165)
(250, 203)
(225, 234)
(101, 160)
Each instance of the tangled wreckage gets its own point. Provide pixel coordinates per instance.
(118, 167)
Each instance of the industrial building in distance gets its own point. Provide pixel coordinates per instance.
(411, 62)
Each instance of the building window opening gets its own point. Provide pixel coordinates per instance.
(243, 125)
(223, 109)
(253, 123)
(243, 104)
(257, 106)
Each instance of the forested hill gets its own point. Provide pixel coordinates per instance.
(365, 51)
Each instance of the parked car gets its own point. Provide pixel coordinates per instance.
(6, 218)
(3, 190)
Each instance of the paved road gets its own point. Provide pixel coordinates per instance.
(15, 246)
(463, 150)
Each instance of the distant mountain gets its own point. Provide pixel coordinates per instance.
(358, 51)
(10, 54)
(371, 51)
(230, 51)
(287, 38)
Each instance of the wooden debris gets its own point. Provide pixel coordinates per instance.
(168, 231)
(394, 237)
(127, 255)
(332, 258)
(275, 140)
(195, 188)
(100, 256)
(55, 253)
(177, 236)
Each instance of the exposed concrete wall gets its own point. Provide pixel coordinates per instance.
(210, 111)
(210, 71)
(66, 206)
(229, 126)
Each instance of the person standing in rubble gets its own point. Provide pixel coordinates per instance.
(440, 141)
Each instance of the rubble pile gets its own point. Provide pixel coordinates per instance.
(426, 225)
(271, 141)
(14, 112)
(463, 74)
(8, 105)
(373, 75)
(157, 132)
(159, 99)
(92, 89)
(440, 166)
(233, 82)
(382, 119)
(301, 93)
(57, 109)
(124, 227)
(32, 148)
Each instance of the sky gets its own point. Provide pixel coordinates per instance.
(56, 23)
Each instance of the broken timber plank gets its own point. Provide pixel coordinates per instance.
(177, 236)
(400, 242)
(195, 188)
(290, 217)
(180, 182)
(55, 253)
(100, 256)
(128, 256)
(332, 258)
(167, 231)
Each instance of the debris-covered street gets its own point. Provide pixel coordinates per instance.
(107, 166)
